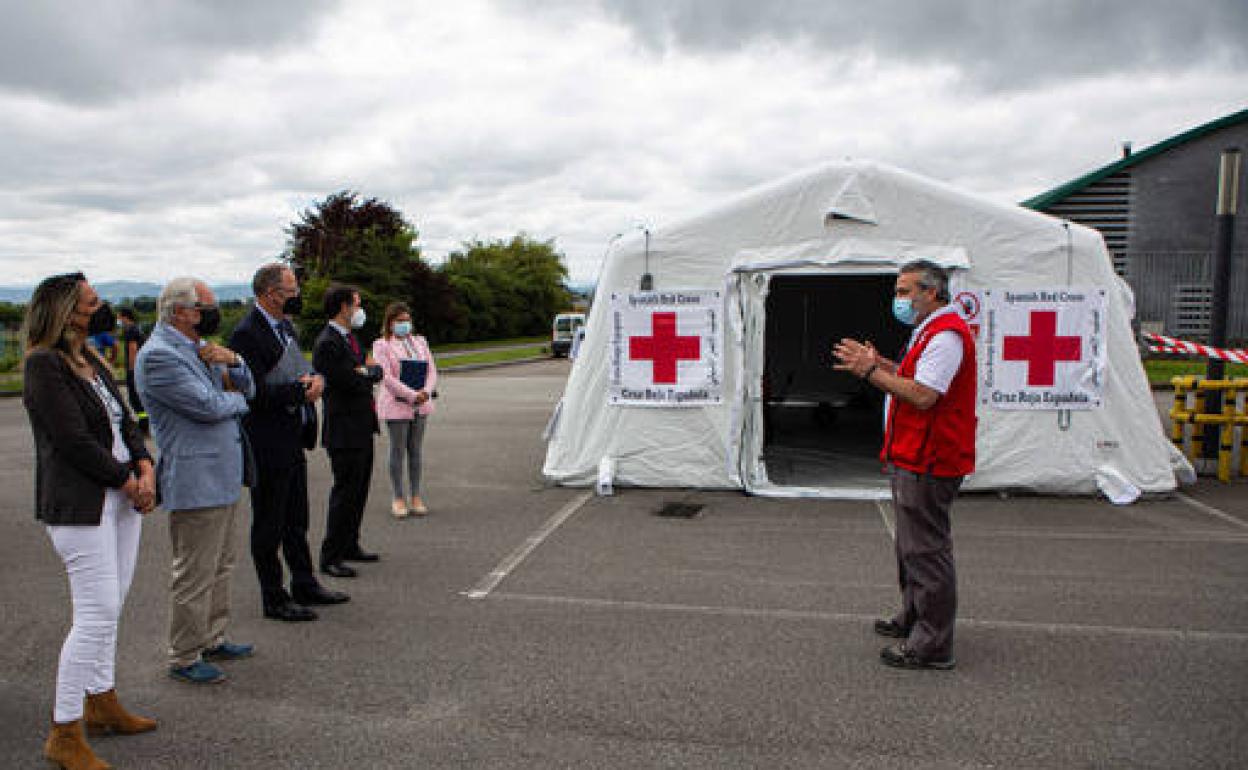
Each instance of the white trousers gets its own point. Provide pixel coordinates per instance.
(100, 564)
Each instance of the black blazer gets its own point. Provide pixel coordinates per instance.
(74, 461)
(274, 424)
(350, 415)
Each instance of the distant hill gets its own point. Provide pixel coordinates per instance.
(116, 291)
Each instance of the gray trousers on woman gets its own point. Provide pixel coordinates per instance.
(405, 439)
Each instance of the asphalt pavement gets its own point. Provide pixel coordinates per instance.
(523, 626)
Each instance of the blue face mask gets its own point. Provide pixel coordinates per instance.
(403, 328)
(903, 310)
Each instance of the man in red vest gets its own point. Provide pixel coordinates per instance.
(929, 443)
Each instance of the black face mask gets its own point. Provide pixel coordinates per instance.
(293, 305)
(209, 321)
(102, 320)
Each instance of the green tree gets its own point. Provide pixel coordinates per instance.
(367, 244)
(507, 287)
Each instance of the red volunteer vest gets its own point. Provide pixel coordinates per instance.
(940, 440)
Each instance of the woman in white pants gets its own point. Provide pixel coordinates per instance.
(93, 481)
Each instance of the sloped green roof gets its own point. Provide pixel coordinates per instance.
(1044, 200)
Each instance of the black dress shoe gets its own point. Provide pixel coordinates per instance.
(338, 569)
(319, 595)
(288, 611)
(891, 628)
(362, 555)
(899, 656)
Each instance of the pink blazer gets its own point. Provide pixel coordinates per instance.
(395, 401)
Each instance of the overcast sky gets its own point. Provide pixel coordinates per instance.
(144, 140)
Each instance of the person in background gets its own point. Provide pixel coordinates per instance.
(93, 482)
(197, 391)
(132, 339)
(280, 425)
(404, 408)
(929, 443)
(350, 423)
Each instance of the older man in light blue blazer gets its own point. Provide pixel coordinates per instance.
(195, 392)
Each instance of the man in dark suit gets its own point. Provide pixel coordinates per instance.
(350, 423)
(280, 425)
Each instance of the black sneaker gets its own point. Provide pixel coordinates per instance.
(891, 628)
(898, 656)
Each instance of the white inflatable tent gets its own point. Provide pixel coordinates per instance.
(806, 260)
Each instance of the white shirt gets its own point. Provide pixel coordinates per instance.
(938, 363)
(941, 359)
(274, 324)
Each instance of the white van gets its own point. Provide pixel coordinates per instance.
(562, 332)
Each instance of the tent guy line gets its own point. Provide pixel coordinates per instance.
(1062, 629)
(888, 523)
(488, 583)
(1209, 509)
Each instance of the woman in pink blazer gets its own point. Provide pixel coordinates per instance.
(403, 409)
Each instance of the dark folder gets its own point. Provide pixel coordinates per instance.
(413, 373)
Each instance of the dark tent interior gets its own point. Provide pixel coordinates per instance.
(822, 428)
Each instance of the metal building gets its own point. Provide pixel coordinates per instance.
(1155, 209)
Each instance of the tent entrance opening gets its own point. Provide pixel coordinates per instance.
(822, 427)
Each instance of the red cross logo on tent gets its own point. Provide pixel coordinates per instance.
(664, 348)
(1042, 348)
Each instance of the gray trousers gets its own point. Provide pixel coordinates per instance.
(406, 437)
(925, 569)
(199, 585)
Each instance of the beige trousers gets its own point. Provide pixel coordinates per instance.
(199, 587)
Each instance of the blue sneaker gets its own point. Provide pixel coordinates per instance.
(229, 651)
(199, 672)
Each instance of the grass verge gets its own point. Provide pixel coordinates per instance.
(11, 382)
(493, 357)
(455, 347)
(1160, 370)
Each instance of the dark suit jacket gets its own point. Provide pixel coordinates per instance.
(274, 425)
(350, 415)
(74, 460)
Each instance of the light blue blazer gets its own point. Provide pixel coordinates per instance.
(204, 460)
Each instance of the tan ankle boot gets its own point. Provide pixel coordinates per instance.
(67, 747)
(104, 713)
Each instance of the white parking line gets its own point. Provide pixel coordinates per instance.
(513, 559)
(1068, 629)
(1209, 509)
(888, 524)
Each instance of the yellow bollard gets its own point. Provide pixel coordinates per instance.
(1178, 412)
(1233, 416)
(1241, 417)
(1198, 433)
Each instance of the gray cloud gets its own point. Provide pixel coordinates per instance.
(98, 50)
(489, 117)
(996, 44)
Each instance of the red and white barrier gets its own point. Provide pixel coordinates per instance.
(1159, 343)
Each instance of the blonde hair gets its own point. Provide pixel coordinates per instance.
(47, 322)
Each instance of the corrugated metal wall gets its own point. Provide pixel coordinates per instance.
(1104, 206)
(1174, 288)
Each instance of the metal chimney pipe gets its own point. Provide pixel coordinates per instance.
(1223, 244)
